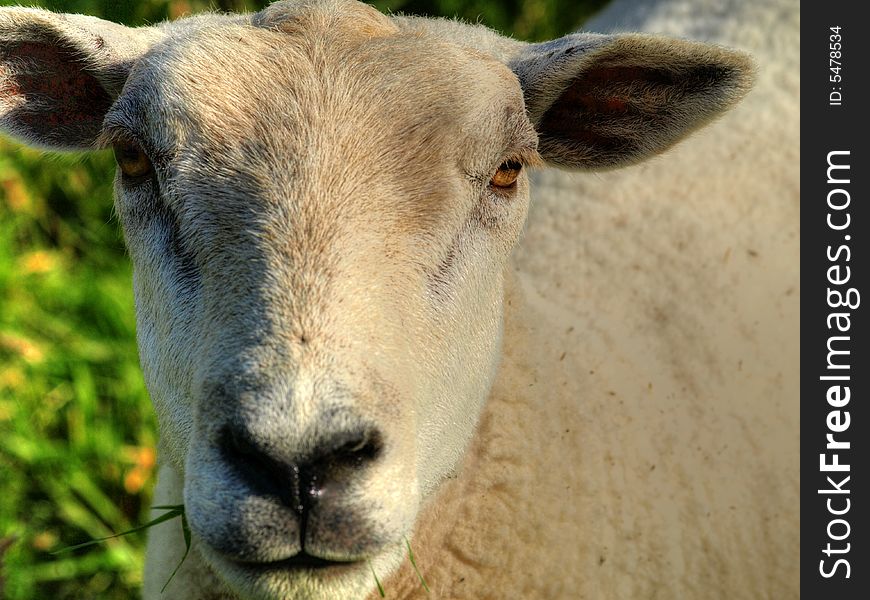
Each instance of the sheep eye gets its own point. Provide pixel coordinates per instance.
(506, 175)
(131, 159)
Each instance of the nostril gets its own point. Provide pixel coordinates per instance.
(263, 473)
(356, 448)
(240, 444)
(236, 444)
(301, 482)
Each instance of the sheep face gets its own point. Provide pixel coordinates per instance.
(320, 203)
(318, 310)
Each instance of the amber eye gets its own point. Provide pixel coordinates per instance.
(507, 175)
(131, 159)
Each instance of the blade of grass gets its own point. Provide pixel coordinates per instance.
(414, 564)
(185, 529)
(170, 514)
(377, 581)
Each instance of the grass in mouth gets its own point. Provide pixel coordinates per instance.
(173, 511)
(414, 564)
(377, 581)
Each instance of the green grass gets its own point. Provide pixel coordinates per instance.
(77, 434)
(76, 431)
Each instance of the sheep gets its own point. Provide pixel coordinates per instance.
(349, 348)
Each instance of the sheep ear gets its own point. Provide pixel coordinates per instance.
(59, 74)
(603, 101)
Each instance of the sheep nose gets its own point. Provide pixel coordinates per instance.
(301, 482)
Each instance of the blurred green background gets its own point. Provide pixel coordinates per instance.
(77, 434)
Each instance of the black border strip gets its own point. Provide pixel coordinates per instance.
(834, 264)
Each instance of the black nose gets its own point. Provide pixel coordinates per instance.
(302, 481)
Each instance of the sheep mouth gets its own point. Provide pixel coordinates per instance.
(300, 561)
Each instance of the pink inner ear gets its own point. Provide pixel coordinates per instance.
(8, 86)
(602, 117)
(57, 96)
(615, 104)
